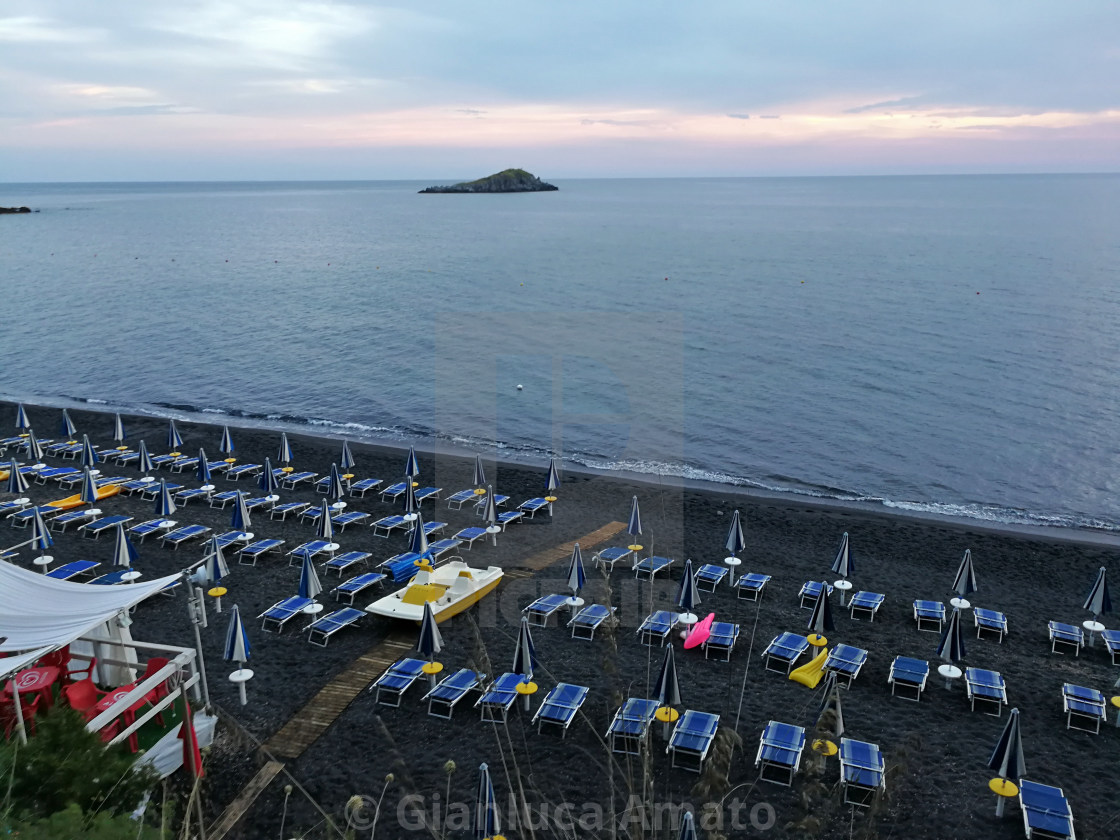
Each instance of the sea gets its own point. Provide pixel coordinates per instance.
(941, 345)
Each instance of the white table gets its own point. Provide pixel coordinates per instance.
(312, 609)
(44, 561)
(843, 586)
(129, 577)
(949, 673)
(960, 603)
(1092, 628)
(239, 678)
(574, 602)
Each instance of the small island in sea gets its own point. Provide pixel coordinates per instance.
(507, 181)
(28, 209)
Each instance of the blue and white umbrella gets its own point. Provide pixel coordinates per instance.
(820, 621)
(688, 596)
(89, 455)
(346, 460)
(843, 565)
(21, 418)
(667, 689)
(268, 482)
(202, 473)
(951, 646)
(309, 586)
(335, 488)
(67, 428)
(34, 450)
(173, 439)
(88, 493)
(226, 444)
(411, 464)
(736, 542)
(830, 699)
(41, 539)
(487, 823)
(410, 505)
(479, 473)
(215, 562)
(552, 480)
(324, 526)
(144, 460)
(634, 526)
(17, 482)
(237, 643)
(418, 542)
(284, 456)
(965, 581)
(525, 654)
(490, 515)
(118, 429)
(165, 505)
(431, 641)
(240, 521)
(1099, 602)
(688, 827)
(1007, 758)
(577, 576)
(124, 552)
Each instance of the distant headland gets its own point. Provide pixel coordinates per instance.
(28, 209)
(509, 181)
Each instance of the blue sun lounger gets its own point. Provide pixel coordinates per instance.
(137, 485)
(866, 604)
(281, 511)
(110, 578)
(22, 517)
(589, 619)
(180, 464)
(401, 567)
(440, 547)
(349, 517)
(1046, 812)
(323, 485)
(312, 549)
(95, 529)
(344, 561)
(1112, 643)
(184, 534)
(542, 609)
(185, 497)
(249, 554)
(721, 641)
(691, 739)
(238, 472)
(152, 490)
(310, 514)
(293, 480)
(469, 535)
(657, 625)
(13, 506)
(360, 488)
(319, 632)
(451, 689)
(606, 558)
(651, 567)
(151, 526)
(709, 576)
(226, 497)
(862, 772)
(55, 474)
(560, 706)
(387, 524)
(531, 506)
(1084, 708)
(65, 520)
(986, 687)
(1067, 637)
(846, 661)
(225, 540)
(989, 621)
(779, 752)
(908, 675)
(499, 696)
(509, 517)
(430, 528)
(929, 615)
(160, 461)
(480, 503)
(397, 679)
(629, 728)
(275, 617)
(461, 498)
(69, 571)
(810, 592)
(350, 589)
(784, 651)
(393, 491)
(425, 493)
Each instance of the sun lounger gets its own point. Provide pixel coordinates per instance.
(709, 576)
(60, 446)
(1046, 812)
(153, 489)
(986, 687)
(440, 547)
(180, 464)
(13, 506)
(509, 517)
(226, 497)
(350, 589)
(292, 480)
(239, 471)
(430, 528)
(228, 538)
(846, 661)
(111, 578)
(275, 617)
(65, 520)
(281, 511)
(397, 679)
(451, 689)
(95, 529)
(990, 621)
(560, 706)
(461, 498)
(630, 727)
(312, 549)
(809, 593)
(691, 739)
(160, 461)
(1066, 637)
(1084, 708)
(425, 493)
(257, 502)
(401, 567)
(323, 485)
(499, 696)
(531, 506)
(386, 525)
(22, 517)
(393, 491)
(184, 534)
(70, 479)
(185, 497)
(360, 488)
(606, 558)
(862, 772)
(249, 554)
(721, 641)
(480, 503)
(784, 651)
(56, 474)
(657, 626)
(1112, 643)
(349, 517)
(651, 567)
(469, 535)
(866, 604)
(930, 615)
(542, 609)
(779, 752)
(908, 675)
(151, 526)
(69, 571)
(319, 632)
(131, 488)
(589, 619)
(344, 561)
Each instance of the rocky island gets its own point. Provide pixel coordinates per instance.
(28, 209)
(508, 181)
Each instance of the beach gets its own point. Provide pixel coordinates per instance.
(936, 750)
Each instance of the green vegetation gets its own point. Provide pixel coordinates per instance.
(505, 173)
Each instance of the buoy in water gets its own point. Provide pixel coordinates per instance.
(519, 387)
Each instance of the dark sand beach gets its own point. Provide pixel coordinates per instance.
(936, 750)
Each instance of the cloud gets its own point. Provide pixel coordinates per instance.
(39, 30)
(769, 116)
(895, 104)
(739, 116)
(472, 111)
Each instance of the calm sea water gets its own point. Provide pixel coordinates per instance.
(945, 344)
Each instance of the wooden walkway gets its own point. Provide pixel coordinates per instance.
(236, 810)
(564, 552)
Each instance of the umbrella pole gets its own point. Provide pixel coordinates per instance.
(195, 608)
(19, 712)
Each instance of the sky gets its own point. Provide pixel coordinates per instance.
(114, 90)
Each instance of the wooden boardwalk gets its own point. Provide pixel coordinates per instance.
(564, 552)
(236, 810)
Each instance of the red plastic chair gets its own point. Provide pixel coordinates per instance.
(161, 690)
(78, 669)
(8, 717)
(82, 696)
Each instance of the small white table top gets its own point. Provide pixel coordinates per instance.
(949, 672)
(131, 576)
(45, 560)
(687, 618)
(332, 547)
(1093, 626)
(842, 585)
(732, 561)
(960, 603)
(241, 675)
(312, 609)
(574, 601)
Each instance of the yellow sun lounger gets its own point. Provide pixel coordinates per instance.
(75, 501)
(811, 672)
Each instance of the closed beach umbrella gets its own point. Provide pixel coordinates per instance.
(202, 473)
(144, 460)
(124, 552)
(431, 641)
(226, 444)
(34, 450)
(173, 439)
(88, 492)
(17, 482)
(410, 506)
(490, 510)
(240, 520)
(525, 654)
(577, 576)
(688, 596)
(324, 527)
(411, 464)
(68, 428)
(951, 646)
(667, 689)
(634, 526)
(830, 699)
(479, 473)
(552, 480)
(309, 586)
(21, 418)
(41, 538)
(346, 460)
(736, 542)
(487, 825)
(842, 565)
(965, 581)
(821, 619)
(1099, 601)
(267, 482)
(215, 562)
(335, 488)
(89, 456)
(1007, 758)
(118, 429)
(418, 543)
(237, 643)
(688, 827)
(165, 505)
(284, 456)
